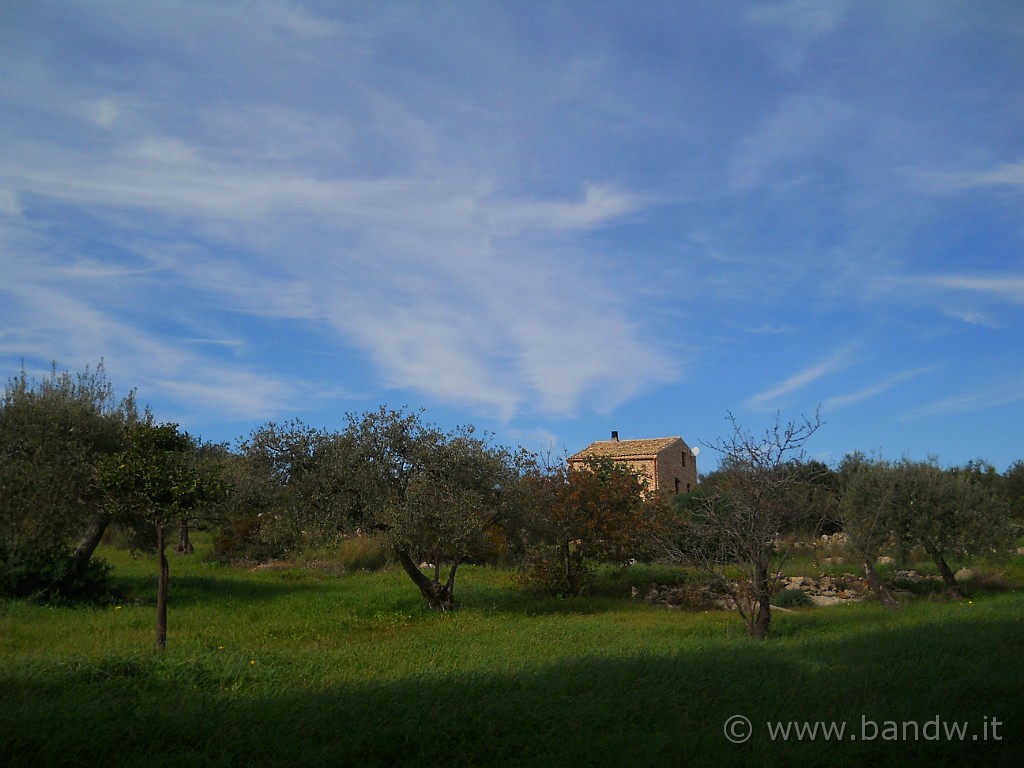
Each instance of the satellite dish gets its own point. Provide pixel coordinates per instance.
(695, 451)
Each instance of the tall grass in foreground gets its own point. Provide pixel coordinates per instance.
(297, 667)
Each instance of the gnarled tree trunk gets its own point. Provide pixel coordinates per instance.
(947, 574)
(440, 597)
(884, 595)
(90, 540)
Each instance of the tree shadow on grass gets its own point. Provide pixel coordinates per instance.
(518, 602)
(649, 710)
(189, 590)
(512, 598)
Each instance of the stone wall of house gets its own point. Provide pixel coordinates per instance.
(676, 462)
(644, 468)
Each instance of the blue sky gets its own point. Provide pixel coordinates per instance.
(547, 219)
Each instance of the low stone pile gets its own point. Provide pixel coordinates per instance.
(827, 590)
(910, 577)
(683, 596)
(823, 590)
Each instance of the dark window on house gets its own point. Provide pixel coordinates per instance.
(684, 458)
(677, 485)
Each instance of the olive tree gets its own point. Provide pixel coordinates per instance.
(272, 476)
(159, 478)
(435, 495)
(1013, 488)
(949, 513)
(867, 498)
(53, 435)
(295, 488)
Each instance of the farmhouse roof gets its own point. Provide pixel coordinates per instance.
(625, 449)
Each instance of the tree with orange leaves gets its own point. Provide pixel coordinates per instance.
(596, 513)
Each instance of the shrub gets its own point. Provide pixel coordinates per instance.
(363, 553)
(134, 538)
(988, 581)
(347, 555)
(239, 541)
(545, 571)
(52, 577)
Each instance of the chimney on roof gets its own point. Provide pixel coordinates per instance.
(615, 436)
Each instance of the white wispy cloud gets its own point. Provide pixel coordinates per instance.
(804, 127)
(979, 400)
(867, 393)
(452, 289)
(232, 393)
(10, 205)
(1004, 174)
(768, 329)
(104, 113)
(834, 363)
(795, 26)
(1005, 287)
(1002, 287)
(973, 317)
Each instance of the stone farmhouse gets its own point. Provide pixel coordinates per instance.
(667, 463)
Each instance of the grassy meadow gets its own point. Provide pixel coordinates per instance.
(300, 666)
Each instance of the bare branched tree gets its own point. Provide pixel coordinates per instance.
(732, 527)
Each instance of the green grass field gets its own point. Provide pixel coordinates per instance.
(296, 667)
